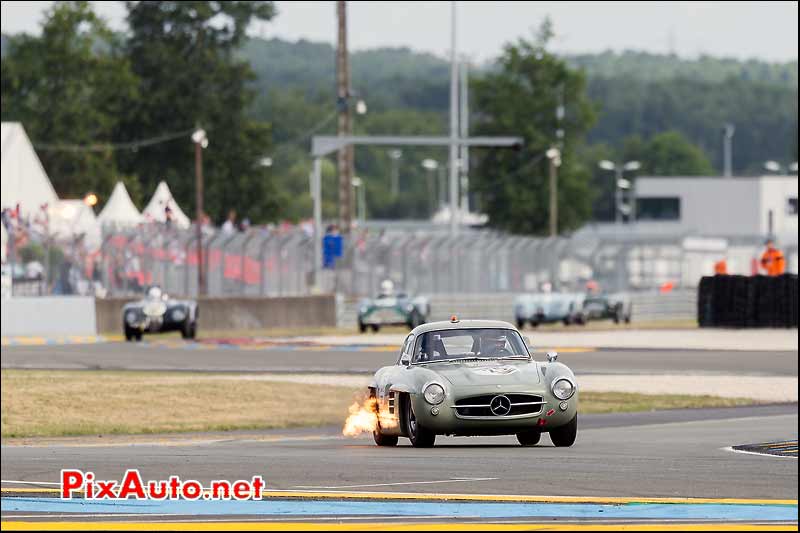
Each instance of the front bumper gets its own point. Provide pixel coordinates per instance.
(448, 422)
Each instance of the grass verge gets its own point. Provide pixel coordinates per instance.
(43, 403)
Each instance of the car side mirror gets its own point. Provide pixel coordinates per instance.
(405, 361)
(552, 356)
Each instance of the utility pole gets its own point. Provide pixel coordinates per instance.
(553, 157)
(345, 156)
(727, 147)
(453, 124)
(394, 156)
(464, 129)
(200, 141)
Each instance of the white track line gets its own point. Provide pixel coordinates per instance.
(730, 449)
(30, 482)
(452, 480)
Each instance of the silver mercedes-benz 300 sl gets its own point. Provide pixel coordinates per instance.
(470, 378)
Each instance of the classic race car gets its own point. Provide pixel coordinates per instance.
(616, 307)
(392, 309)
(157, 313)
(549, 307)
(470, 378)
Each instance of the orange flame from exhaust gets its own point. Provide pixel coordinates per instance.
(365, 418)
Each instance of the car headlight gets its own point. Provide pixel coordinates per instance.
(434, 394)
(563, 389)
(130, 317)
(363, 309)
(178, 315)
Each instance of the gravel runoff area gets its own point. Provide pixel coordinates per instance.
(772, 389)
(687, 339)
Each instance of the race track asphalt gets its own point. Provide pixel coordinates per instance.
(667, 454)
(175, 354)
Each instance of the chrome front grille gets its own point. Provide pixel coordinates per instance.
(480, 407)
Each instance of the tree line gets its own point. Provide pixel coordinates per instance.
(182, 65)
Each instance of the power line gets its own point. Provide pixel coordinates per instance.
(105, 147)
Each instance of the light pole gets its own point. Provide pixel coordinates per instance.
(620, 184)
(431, 165)
(727, 147)
(200, 140)
(394, 156)
(554, 156)
(361, 197)
(453, 124)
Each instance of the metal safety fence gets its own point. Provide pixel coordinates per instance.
(279, 262)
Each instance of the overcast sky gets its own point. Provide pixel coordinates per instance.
(763, 30)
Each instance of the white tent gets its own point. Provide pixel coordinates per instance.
(161, 199)
(119, 210)
(23, 179)
(71, 218)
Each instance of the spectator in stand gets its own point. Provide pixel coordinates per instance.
(168, 216)
(772, 260)
(245, 225)
(229, 227)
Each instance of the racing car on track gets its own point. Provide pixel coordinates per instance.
(470, 378)
(392, 309)
(547, 308)
(158, 313)
(601, 306)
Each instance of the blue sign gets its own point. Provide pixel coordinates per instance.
(332, 246)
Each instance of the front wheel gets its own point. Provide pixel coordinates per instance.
(529, 438)
(419, 436)
(362, 328)
(128, 334)
(564, 436)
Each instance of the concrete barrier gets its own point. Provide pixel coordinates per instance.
(238, 313)
(47, 315)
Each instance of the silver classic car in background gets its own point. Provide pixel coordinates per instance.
(469, 378)
(549, 307)
(391, 308)
(158, 313)
(571, 308)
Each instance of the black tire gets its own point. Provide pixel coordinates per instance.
(128, 334)
(529, 438)
(189, 329)
(137, 335)
(375, 328)
(415, 320)
(520, 323)
(419, 436)
(567, 321)
(564, 436)
(627, 319)
(534, 324)
(362, 328)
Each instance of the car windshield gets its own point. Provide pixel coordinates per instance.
(475, 343)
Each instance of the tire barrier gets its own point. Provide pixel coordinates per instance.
(747, 301)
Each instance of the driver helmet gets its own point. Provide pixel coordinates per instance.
(154, 292)
(387, 287)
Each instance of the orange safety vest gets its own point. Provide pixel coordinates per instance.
(773, 262)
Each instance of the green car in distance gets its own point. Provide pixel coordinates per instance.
(391, 309)
(473, 378)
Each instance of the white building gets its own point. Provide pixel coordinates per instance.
(724, 207)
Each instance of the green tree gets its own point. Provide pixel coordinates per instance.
(183, 54)
(67, 90)
(668, 154)
(520, 97)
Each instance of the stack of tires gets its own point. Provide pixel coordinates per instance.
(748, 301)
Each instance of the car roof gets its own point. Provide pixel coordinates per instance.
(461, 324)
